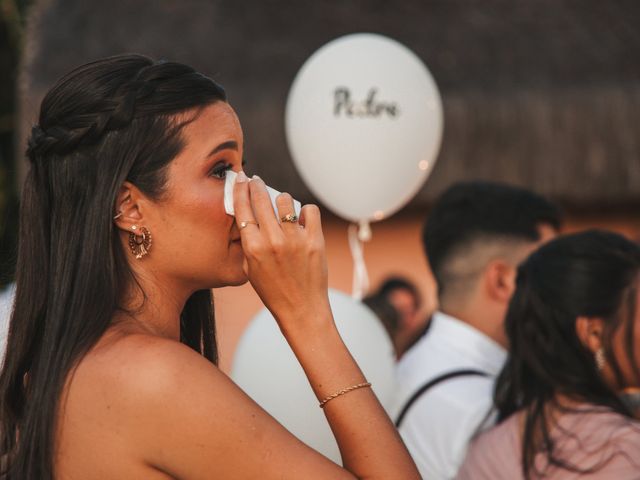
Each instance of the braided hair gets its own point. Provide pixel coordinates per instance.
(113, 120)
(590, 274)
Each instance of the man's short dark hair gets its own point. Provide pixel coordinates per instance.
(469, 212)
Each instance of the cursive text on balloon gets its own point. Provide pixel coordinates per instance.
(342, 103)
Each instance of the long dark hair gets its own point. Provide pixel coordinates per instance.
(592, 274)
(105, 122)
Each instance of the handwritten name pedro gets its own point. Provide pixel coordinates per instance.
(343, 104)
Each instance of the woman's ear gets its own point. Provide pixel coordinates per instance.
(128, 209)
(590, 331)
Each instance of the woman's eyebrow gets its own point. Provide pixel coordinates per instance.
(230, 145)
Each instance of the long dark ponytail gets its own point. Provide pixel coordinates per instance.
(591, 274)
(106, 122)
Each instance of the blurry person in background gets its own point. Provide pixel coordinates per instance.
(404, 298)
(6, 304)
(386, 313)
(8, 241)
(573, 326)
(475, 237)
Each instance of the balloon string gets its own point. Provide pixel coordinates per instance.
(360, 275)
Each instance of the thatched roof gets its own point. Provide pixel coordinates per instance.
(541, 93)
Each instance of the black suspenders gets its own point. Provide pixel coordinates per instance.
(432, 383)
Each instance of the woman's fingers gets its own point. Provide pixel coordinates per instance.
(287, 212)
(245, 220)
(310, 219)
(286, 251)
(262, 207)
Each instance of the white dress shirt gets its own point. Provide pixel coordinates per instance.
(6, 304)
(439, 425)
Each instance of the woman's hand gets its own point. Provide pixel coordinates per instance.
(286, 265)
(285, 261)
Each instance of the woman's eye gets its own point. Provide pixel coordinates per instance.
(220, 170)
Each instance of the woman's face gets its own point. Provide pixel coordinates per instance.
(620, 340)
(194, 241)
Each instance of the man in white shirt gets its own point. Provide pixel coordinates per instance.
(475, 237)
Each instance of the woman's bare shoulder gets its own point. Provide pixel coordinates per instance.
(123, 397)
(180, 414)
(139, 367)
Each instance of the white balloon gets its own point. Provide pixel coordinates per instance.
(364, 125)
(266, 369)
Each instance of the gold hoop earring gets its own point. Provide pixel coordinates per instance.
(600, 359)
(139, 243)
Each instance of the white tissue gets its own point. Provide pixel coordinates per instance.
(228, 195)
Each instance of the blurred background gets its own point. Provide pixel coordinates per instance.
(539, 93)
(12, 23)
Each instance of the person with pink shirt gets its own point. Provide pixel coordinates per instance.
(567, 395)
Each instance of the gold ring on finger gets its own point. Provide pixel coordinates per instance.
(247, 222)
(290, 218)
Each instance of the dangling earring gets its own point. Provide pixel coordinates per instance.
(139, 243)
(600, 359)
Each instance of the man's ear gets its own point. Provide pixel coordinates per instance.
(128, 207)
(499, 280)
(589, 331)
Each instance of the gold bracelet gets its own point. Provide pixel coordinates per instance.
(342, 392)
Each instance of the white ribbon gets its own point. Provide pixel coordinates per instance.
(358, 234)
